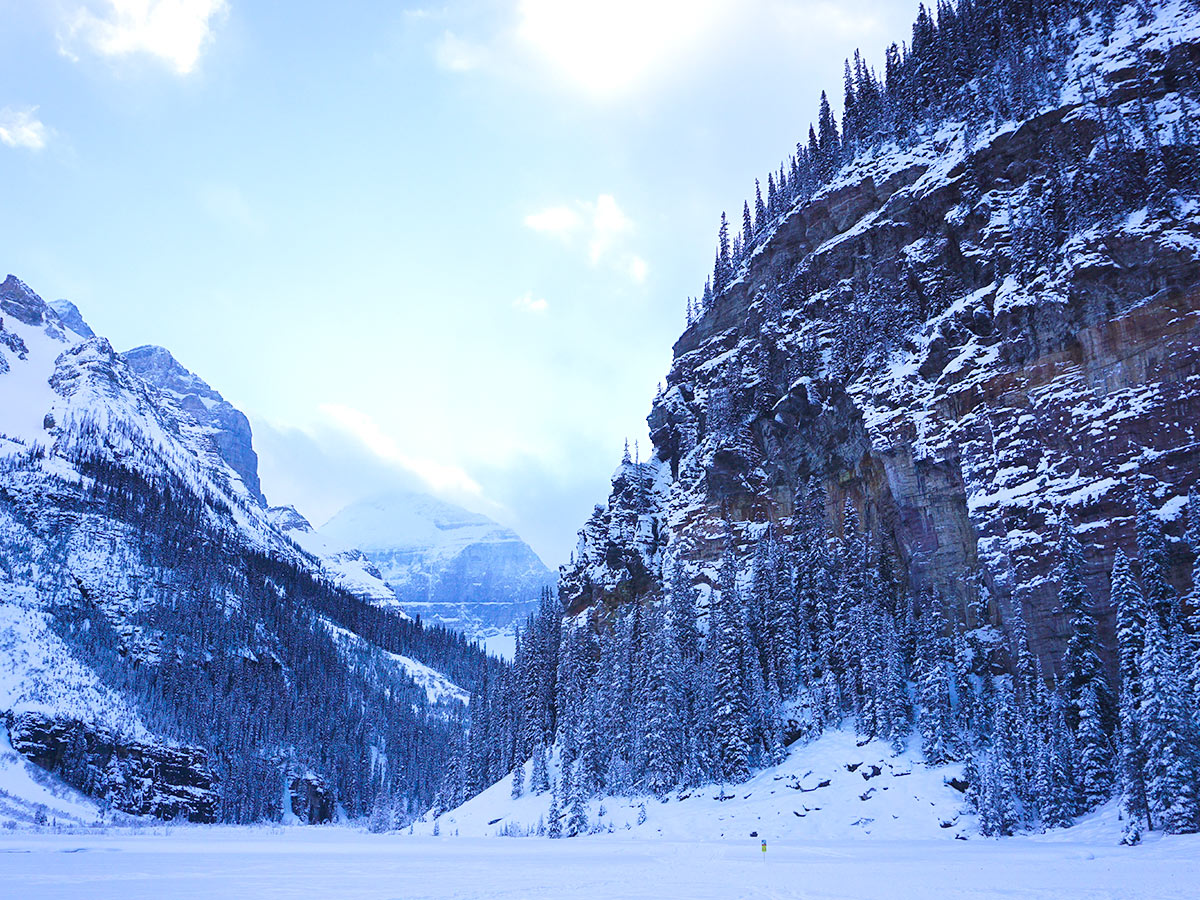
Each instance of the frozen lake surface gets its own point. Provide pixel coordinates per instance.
(183, 863)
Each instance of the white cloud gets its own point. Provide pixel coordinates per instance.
(556, 220)
(21, 128)
(456, 54)
(528, 303)
(439, 476)
(172, 31)
(608, 47)
(604, 228)
(609, 226)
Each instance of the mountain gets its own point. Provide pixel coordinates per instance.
(226, 426)
(348, 567)
(171, 647)
(453, 567)
(69, 314)
(927, 440)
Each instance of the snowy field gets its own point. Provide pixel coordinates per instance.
(184, 863)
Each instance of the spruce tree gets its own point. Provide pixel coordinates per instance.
(936, 718)
(1168, 737)
(1082, 668)
(730, 701)
(1131, 624)
(574, 801)
(539, 780)
(1152, 553)
(518, 782)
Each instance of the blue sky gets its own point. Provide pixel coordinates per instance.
(438, 246)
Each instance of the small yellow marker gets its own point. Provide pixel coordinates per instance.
(764, 847)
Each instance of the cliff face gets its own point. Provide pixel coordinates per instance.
(962, 340)
(225, 425)
(142, 779)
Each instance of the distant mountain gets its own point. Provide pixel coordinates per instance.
(349, 568)
(451, 566)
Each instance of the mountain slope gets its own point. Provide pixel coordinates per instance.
(166, 638)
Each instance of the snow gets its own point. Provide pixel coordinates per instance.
(438, 688)
(38, 673)
(347, 567)
(411, 521)
(499, 642)
(190, 863)
(905, 799)
(25, 387)
(29, 795)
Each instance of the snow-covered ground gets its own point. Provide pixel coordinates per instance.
(830, 789)
(197, 862)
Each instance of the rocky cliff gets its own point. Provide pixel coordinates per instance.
(142, 779)
(223, 423)
(968, 337)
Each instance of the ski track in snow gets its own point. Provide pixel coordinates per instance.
(188, 862)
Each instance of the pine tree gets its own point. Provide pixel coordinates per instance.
(539, 780)
(518, 782)
(1131, 624)
(1152, 553)
(1087, 692)
(731, 704)
(1168, 737)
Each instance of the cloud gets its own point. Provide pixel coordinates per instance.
(21, 128)
(609, 225)
(607, 48)
(456, 54)
(439, 476)
(604, 228)
(528, 303)
(556, 220)
(174, 32)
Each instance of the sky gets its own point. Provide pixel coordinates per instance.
(435, 246)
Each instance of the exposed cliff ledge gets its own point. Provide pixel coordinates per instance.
(131, 776)
(953, 338)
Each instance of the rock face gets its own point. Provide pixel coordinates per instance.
(69, 314)
(449, 565)
(227, 425)
(136, 778)
(311, 800)
(1047, 362)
